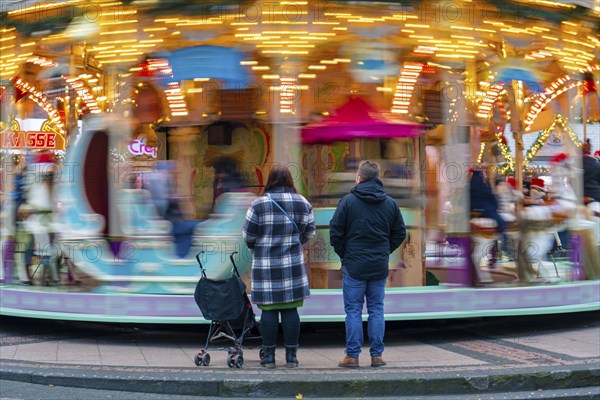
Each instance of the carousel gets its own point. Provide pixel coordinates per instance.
(138, 134)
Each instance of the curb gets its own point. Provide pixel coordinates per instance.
(316, 383)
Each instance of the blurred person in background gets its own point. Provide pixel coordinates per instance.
(591, 174)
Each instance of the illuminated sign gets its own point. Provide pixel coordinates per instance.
(33, 140)
(138, 148)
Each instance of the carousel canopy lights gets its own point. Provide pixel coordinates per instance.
(551, 92)
(291, 28)
(405, 87)
(41, 100)
(176, 101)
(83, 92)
(492, 94)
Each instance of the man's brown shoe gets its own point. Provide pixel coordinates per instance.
(377, 361)
(349, 362)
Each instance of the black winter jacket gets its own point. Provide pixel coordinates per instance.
(591, 178)
(366, 228)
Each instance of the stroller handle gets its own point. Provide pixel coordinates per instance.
(233, 262)
(200, 263)
(230, 257)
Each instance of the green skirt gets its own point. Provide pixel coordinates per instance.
(282, 306)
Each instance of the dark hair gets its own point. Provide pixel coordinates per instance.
(368, 170)
(280, 176)
(225, 164)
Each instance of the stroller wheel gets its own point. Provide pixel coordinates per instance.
(230, 361)
(238, 361)
(206, 359)
(202, 358)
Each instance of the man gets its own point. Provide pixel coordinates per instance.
(591, 174)
(366, 228)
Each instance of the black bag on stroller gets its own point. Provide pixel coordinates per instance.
(221, 300)
(225, 303)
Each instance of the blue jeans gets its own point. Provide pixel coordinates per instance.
(355, 291)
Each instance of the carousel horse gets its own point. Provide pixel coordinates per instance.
(540, 222)
(508, 197)
(36, 218)
(484, 236)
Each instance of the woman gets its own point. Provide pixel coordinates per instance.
(277, 225)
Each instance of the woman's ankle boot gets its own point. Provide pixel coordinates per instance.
(267, 357)
(290, 356)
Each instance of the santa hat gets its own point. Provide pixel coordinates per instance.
(512, 182)
(538, 183)
(559, 158)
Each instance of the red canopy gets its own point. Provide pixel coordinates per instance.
(358, 119)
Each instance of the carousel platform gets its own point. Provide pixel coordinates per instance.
(499, 358)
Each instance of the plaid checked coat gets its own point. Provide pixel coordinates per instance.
(278, 270)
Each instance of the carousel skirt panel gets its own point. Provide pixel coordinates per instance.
(323, 306)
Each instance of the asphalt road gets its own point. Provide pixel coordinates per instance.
(10, 390)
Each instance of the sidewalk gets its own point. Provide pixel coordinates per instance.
(464, 357)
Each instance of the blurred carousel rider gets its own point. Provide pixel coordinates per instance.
(160, 185)
(16, 195)
(537, 192)
(17, 215)
(483, 201)
(162, 189)
(508, 196)
(228, 177)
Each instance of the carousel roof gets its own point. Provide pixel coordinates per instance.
(357, 119)
(354, 45)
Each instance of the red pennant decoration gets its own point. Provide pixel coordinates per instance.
(560, 157)
(589, 85)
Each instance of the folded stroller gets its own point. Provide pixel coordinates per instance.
(226, 304)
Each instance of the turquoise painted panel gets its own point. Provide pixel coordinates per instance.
(324, 215)
(320, 249)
